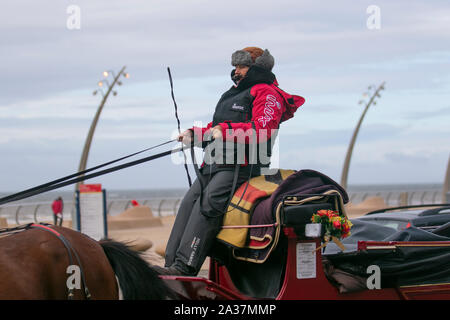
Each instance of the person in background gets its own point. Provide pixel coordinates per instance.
(57, 207)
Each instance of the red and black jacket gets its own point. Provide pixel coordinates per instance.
(255, 103)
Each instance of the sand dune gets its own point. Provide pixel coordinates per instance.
(134, 217)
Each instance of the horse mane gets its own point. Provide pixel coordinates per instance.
(138, 280)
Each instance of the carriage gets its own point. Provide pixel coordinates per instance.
(405, 264)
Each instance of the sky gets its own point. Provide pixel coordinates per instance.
(53, 54)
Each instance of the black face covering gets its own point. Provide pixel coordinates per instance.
(235, 77)
(255, 75)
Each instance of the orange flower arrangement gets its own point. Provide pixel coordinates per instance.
(336, 226)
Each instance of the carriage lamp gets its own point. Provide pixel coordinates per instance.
(313, 230)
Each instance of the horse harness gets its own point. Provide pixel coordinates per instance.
(70, 250)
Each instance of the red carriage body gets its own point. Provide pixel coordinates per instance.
(225, 280)
(220, 286)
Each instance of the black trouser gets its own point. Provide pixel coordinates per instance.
(194, 232)
(57, 220)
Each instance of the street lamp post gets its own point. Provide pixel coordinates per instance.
(87, 143)
(345, 169)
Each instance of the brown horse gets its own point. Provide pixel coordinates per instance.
(35, 260)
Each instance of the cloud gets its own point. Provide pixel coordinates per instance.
(405, 158)
(195, 37)
(442, 112)
(323, 52)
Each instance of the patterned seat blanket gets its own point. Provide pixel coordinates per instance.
(252, 224)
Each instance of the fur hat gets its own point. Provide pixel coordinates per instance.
(253, 56)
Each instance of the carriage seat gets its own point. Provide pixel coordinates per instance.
(253, 247)
(252, 225)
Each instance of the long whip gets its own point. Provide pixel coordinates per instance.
(179, 129)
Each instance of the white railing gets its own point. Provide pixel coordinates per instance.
(396, 198)
(41, 211)
(21, 213)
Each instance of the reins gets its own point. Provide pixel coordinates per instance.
(80, 176)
